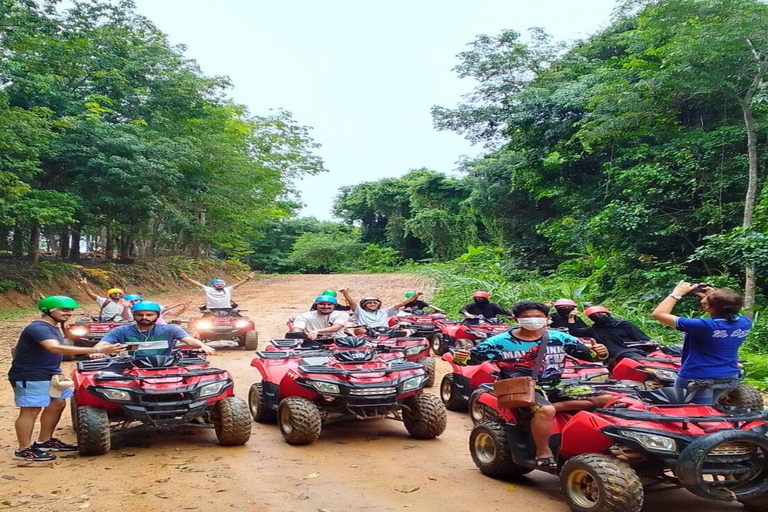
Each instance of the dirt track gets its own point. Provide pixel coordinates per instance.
(356, 466)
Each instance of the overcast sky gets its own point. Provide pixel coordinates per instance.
(363, 74)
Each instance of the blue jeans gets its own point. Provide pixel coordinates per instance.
(704, 391)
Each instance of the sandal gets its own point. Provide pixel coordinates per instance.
(545, 463)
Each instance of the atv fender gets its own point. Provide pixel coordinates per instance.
(271, 394)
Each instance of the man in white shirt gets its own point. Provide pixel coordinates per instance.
(111, 308)
(323, 320)
(370, 313)
(218, 295)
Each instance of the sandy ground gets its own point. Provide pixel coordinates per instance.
(355, 466)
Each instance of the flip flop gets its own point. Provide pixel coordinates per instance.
(545, 463)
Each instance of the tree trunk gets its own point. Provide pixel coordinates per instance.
(64, 244)
(750, 281)
(74, 246)
(33, 256)
(18, 242)
(109, 248)
(125, 247)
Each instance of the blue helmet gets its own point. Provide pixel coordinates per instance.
(133, 297)
(325, 298)
(146, 305)
(216, 280)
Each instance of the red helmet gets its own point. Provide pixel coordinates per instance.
(595, 309)
(480, 295)
(564, 303)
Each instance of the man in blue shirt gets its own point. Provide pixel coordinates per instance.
(711, 345)
(150, 337)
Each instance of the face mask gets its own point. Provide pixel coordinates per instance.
(532, 324)
(600, 319)
(481, 301)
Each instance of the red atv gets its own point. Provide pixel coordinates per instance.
(180, 390)
(411, 348)
(225, 324)
(659, 369)
(87, 333)
(460, 388)
(466, 333)
(423, 324)
(303, 390)
(608, 457)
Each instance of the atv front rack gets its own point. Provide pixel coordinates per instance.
(123, 363)
(285, 354)
(394, 366)
(186, 375)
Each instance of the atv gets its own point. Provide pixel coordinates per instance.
(225, 324)
(398, 343)
(303, 390)
(180, 390)
(423, 324)
(659, 369)
(609, 457)
(87, 333)
(465, 334)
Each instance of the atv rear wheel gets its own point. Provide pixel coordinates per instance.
(600, 483)
(429, 366)
(452, 401)
(93, 436)
(425, 417)
(489, 447)
(743, 395)
(299, 420)
(259, 410)
(438, 343)
(480, 412)
(250, 340)
(233, 424)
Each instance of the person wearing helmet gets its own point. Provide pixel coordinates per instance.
(35, 377)
(218, 295)
(517, 350)
(416, 304)
(336, 307)
(113, 307)
(370, 313)
(323, 320)
(147, 336)
(566, 317)
(132, 298)
(482, 307)
(612, 332)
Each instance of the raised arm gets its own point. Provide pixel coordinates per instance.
(663, 312)
(241, 283)
(408, 300)
(435, 308)
(191, 281)
(83, 283)
(350, 301)
(181, 306)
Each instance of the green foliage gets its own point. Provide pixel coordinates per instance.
(377, 259)
(325, 252)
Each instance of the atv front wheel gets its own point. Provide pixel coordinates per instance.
(93, 436)
(438, 343)
(259, 410)
(489, 447)
(299, 420)
(429, 366)
(425, 417)
(250, 340)
(452, 401)
(233, 425)
(743, 395)
(600, 483)
(480, 412)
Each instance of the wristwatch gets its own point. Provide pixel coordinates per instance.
(675, 296)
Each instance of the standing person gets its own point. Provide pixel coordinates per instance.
(482, 306)
(418, 304)
(218, 295)
(370, 313)
(323, 320)
(711, 345)
(113, 307)
(152, 338)
(566, 316)
(35, 377)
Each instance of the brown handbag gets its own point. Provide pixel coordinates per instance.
(521, 391)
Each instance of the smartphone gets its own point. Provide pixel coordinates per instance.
(701, 288)
(132, 347)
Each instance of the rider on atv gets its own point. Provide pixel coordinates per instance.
(566, 317)
(370, 313)
(148, 337)
(710, 361)
(481, 306)
(417, 304)
(324, 320)
(518, 348)
(613, 333)
(336, 307)
(218, 295)
(112, 308)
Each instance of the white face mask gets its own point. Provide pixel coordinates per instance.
(533, 324)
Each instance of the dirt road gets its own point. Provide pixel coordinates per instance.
(357, 466)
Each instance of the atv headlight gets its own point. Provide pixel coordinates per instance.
(662, 374)
(326, 388)
(651, 442)
(242, 323)
(412, 351)
(204, 324)
(116, 395)
(414, 383)
(79, 331)
(212, 389)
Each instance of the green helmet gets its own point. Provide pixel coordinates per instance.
(330, 293)
(56, 301)
(408, 295)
